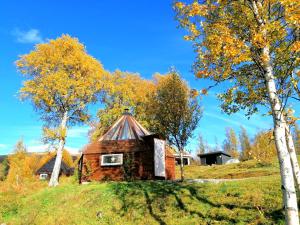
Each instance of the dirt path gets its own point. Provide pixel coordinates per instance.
(215, 181)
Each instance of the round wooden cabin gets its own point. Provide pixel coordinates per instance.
(126, 151)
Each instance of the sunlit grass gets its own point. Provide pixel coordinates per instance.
(232, 171)
(252, 201)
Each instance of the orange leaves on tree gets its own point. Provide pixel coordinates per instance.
(204, 91)
(202, 74)
(194, 93)
(122, 90)
(228, 37)
(296, 46)
(292, 12)
(179, 5)
(62, 76)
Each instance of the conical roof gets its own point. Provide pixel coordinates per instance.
(125, 128)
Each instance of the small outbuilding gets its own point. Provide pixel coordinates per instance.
(186, 157)
(45, 171)
(126, 151)
(211, 158)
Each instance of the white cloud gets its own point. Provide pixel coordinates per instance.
(78, 132)
(29, 36)
(72, 150)
(3, 146)
(37, 148)
(45, 148)
(213, 115)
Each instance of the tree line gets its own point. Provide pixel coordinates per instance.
(261, 147)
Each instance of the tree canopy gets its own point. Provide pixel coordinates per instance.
(61, 77)
(174, 110)
(228, 43)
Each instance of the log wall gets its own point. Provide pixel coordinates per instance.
(138, 152)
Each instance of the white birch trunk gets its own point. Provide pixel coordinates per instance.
(181, 165)
(293, 155)
(286, 170)
(56, 169)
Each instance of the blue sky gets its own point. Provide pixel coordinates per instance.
(136, 36)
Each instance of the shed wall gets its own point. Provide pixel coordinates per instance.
(170, 167)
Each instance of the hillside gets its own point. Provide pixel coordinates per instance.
(232, 171)
(255, 200)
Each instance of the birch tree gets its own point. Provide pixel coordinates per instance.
(19, 167)
(245, 144)
(263, 148)
(201, 144)
(252, 94)
(175, 110)
(62, 80)
(229, 36)
(231, 143)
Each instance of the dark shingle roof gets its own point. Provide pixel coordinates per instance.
(48, 167)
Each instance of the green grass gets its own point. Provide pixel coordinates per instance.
(232, 171)
(252, 201)
(256, 200)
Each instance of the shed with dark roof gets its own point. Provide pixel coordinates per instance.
(46, 170)
(126, 151)
(218, 157)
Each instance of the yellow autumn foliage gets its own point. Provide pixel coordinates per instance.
(226, 33)
(122, 90)
(263, 148)
(20, 165)
(61, 77)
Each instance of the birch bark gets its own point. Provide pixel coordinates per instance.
(56, 169)
(293, 155)
(286, 170)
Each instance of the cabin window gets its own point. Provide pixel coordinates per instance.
(112, 160)
(43, 176)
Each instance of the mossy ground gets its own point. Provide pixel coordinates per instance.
(254, 200)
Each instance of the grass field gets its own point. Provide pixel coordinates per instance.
(232, 171)
(255, 200)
